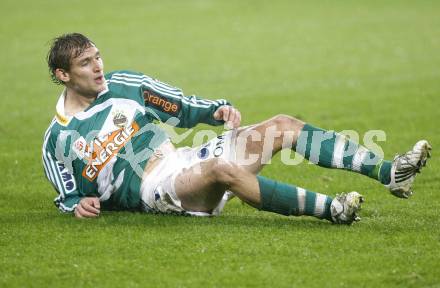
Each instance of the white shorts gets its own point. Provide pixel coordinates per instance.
(158, 192)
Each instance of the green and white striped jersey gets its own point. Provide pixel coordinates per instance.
(102, 151)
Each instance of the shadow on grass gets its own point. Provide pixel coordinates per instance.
(233, 219)
(137, 219)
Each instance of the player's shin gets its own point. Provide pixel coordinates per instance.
(334, 150)
(287, 200)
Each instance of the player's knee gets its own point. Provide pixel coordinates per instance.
(285, 122)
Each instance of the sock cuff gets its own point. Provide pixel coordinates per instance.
(309, 127)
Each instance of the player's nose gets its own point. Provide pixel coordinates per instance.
(98, 66)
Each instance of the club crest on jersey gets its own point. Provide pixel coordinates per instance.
(103, 148)
(119, 119)
(161, 103)
(79, 147)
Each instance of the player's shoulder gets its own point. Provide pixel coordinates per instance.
(121, 80)
(124, 80)
(51, 132)
(123, 75)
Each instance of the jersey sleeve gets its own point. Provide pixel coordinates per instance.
(60, 178)
(166, 101)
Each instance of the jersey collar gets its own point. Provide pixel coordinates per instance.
(61, 116)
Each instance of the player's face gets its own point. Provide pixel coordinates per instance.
(86, 75)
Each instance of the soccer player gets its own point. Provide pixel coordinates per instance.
(104, 150)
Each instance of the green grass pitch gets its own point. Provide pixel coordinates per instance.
(340, 65)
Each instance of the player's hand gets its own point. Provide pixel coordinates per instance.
(229, 114)
(88, 207)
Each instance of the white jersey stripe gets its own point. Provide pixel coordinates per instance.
(58, 180)
(211, 102)
(64, 208)
(146, 84)
(158, 88)
(184, 100)
(49, 172)
(149, 80)
(46, 164)
(154, 84)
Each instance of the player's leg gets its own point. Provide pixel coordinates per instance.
(258, 143)
(332, 150)
(200, 188)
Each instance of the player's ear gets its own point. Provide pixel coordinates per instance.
(62, 75)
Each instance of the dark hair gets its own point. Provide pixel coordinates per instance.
(63, 49)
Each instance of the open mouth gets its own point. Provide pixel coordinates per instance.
(99, 79)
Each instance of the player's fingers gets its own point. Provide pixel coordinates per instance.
(80, 212)
(96, 203)
(226, 113)
(84, 212)
(218, 114)
(232, 115)
(237, 120)
(87, 206)
(77, 214)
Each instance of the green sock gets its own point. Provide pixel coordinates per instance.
(333, 150)
(287, 200)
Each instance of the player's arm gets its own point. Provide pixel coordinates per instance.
(69, 199)
(167, 102)
(63, 182)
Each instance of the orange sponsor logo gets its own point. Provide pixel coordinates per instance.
(161, 103)
(105, 148)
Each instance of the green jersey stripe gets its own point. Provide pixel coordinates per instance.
(152, 81)
(192, 101)
(63, 208)
(48, 170)
(168, 88)
(46, 163)
(150, 84)
(182, 98)
(153, 84)
(57, 178)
